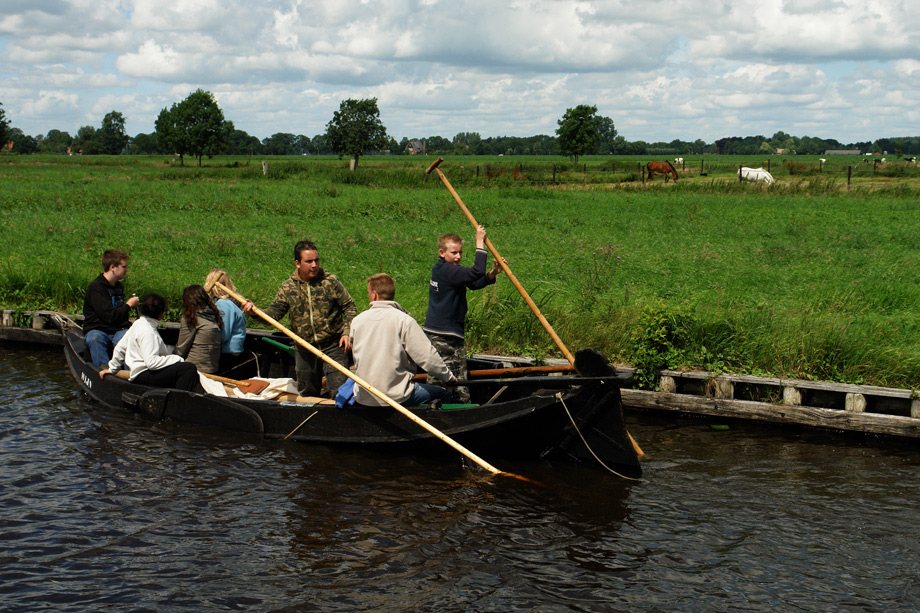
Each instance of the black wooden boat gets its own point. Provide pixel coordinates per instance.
(574, 417)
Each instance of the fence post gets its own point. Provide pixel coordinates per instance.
(849, 174)
(554, 174)
(477, 171)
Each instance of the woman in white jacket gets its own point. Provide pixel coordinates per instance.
(142, 351)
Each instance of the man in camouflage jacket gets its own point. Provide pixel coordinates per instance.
(321, 310)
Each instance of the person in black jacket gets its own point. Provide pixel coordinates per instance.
(445, 322)
(105, 310)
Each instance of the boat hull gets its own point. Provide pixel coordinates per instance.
(575, 418)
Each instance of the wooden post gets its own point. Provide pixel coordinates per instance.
(768, 164)
(667, 384)
(792, 396)
(38, 320)
(849, 174)
(477, 170)
(723, 388)
(264, 168)
(855, 403)
(915, 408)
(740, 179)
(554, 174)
(7, 321)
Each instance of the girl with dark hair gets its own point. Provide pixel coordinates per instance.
(199, 332)
(142, 351)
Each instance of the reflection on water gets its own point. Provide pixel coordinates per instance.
(101, 509)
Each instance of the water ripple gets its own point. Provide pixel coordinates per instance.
(102, 509)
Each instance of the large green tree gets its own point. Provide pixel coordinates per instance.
(56, 142)
(195, 127)
(240, 142)
(144, 144)
(606, 134)
(22, 142)
(112, 135)
(356, 129)
(85, 141)
(577, 132)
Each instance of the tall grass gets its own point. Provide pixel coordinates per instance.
(803, 279)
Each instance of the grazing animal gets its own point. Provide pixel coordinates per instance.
(865, 160)
(678, 160)
(822, 160)
(911, 160)
(756, 175)
(662, 168)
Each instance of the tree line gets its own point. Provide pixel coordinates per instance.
(196, 127)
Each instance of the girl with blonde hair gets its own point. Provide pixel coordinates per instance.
(233, 331)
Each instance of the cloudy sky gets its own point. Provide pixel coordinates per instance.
(687, 69)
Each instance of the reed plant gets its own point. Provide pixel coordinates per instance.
(803, 279)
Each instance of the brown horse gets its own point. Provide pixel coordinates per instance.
(662, 168)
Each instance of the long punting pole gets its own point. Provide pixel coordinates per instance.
(415, 418)
(517, 284)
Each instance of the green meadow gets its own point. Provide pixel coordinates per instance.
(809, 278)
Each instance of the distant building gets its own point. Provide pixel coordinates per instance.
(415, 147)
(843, 152)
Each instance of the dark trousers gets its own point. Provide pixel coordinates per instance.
(179, 376)
(310, 369)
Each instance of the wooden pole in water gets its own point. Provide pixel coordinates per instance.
(520, 288)
(498, 258)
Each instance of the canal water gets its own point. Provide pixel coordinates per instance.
(101, 510)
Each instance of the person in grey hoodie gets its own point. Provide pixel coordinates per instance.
(387, 344)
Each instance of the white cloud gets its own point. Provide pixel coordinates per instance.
(661, 69)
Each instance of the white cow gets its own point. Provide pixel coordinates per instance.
(678, 160)
(756, 174)
(822, 160)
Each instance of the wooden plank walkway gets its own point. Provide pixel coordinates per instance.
(835, 406)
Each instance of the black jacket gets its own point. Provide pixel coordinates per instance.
(104, 307)
(447, 294)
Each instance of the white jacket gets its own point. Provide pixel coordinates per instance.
(142, 348)
(387, 343)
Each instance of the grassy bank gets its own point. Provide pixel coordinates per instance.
(804, 280)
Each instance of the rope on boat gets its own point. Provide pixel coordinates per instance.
(574, 425)
(298, 427)
(66, 319)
